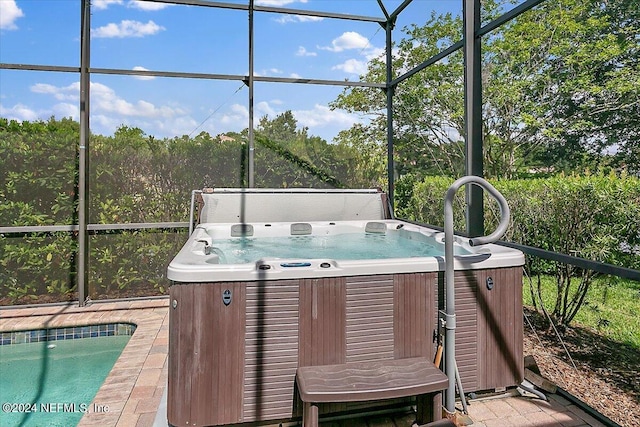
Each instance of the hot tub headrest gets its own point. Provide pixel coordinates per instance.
(301, 229)
(375, 227)
(241, 230)
(291, 205)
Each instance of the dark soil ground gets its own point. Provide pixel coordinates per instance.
(606, 374)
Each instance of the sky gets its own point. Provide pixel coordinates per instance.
(144, 35)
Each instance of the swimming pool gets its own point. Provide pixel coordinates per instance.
(49, 377)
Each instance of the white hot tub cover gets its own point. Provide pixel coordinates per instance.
(227, 205)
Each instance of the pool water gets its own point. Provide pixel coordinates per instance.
(351, 246)
(52, 383)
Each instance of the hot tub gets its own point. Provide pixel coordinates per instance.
(282, 250)
(243, 317)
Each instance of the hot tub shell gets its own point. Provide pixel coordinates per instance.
(239, 332)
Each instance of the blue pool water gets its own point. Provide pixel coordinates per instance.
(52, 383)
(353, 246)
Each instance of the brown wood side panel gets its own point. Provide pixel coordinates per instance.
(180, 356)
(500, 328)
(467, 344)
(321, 336)
(369, 318)
(515, 280)
(271, 350)
(500, 315)
(209, 345)
(413, 314)
(221, 357)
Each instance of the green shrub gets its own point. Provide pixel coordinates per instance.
(593, 217)
(134, 178)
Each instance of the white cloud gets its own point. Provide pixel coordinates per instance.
(374, 52)
(135, 4)
(19, 112)
(295, 76)
(320, 120)
(304, 52)
(285, 19)
(263, 108)
(348, 40)
(236, 118)
(105, 100)
(65, 109)
(111, 109)
(104, 122)
(352, 66)
(66, 93)
(239, 114)
(138, 68)
(147, 5)
(104, 4)
(265, 72)
(127, 28)
(9, 13)
(323, 116)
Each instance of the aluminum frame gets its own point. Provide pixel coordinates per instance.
(473, 111)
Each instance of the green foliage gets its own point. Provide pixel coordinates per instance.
(570, 71)
(288, 157)
(38, 172)
(142, 269)
(593, 217)
(561, 85)
(38, 264)
(134, 178)
(610, 307)
(427, 108)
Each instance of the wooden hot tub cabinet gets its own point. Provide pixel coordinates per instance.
(234, 347)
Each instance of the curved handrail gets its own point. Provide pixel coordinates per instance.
(450, 316)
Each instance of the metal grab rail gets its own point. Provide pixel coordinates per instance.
(450, 315)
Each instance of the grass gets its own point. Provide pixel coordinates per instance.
(611, 308)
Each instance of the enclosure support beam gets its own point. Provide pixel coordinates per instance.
(383, 9)
(251, 142)
(390, 89)
(473, 114)
(400, 8)
(83, 155)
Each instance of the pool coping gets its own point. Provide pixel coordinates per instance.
(131, 393)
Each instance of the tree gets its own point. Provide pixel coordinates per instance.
(290, 157)
(576, 64)
(428, 114)
(560, 88)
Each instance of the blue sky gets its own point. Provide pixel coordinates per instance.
(131, 34)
